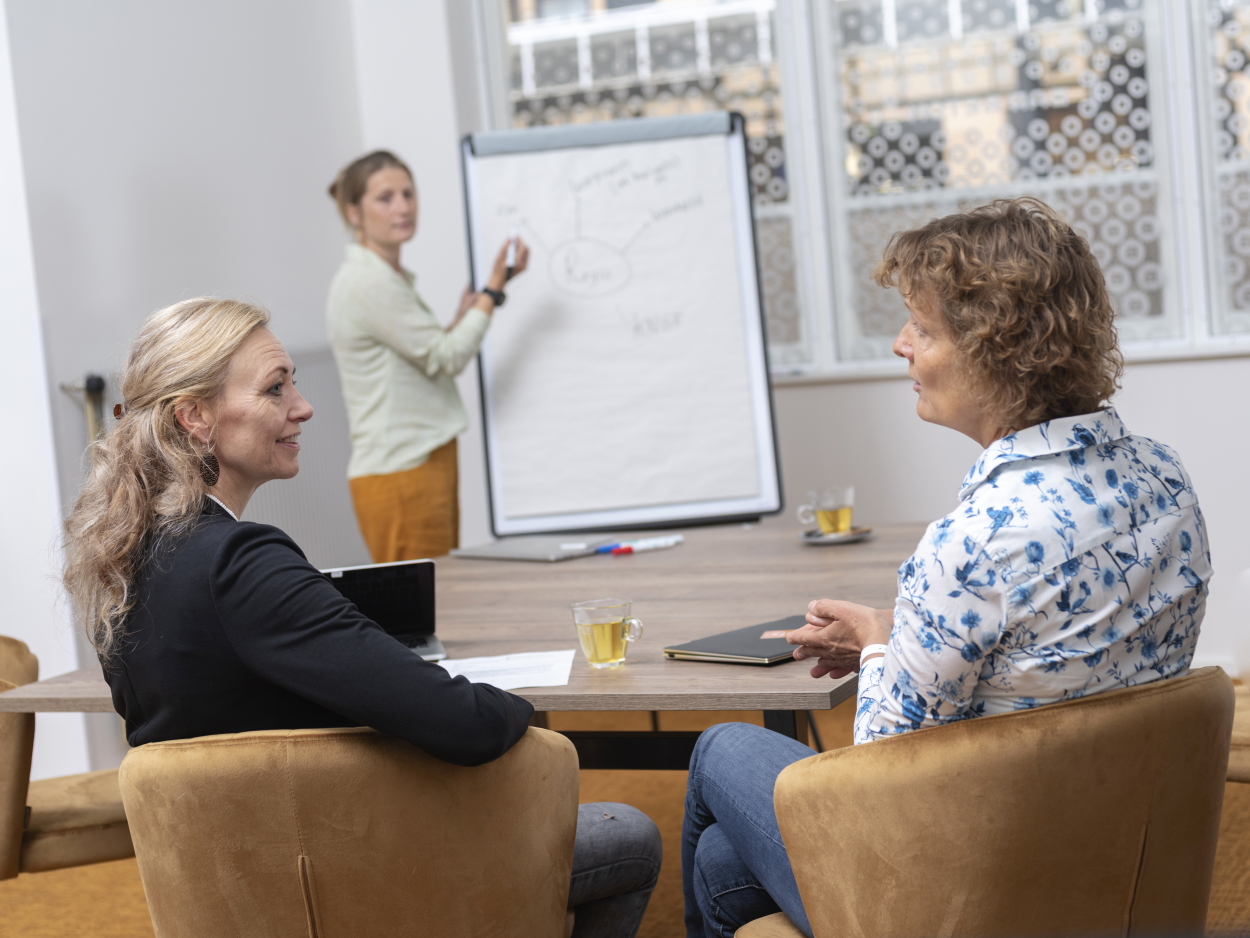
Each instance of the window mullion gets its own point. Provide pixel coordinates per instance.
(805, 146)
(1188, 116)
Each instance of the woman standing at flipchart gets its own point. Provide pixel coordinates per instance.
(398, 366)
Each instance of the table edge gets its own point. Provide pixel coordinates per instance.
(96, 697)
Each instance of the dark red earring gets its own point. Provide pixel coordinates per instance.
(210, 469)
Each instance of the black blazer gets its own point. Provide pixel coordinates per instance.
(234, 630)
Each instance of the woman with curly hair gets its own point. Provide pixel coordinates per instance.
(1076, 561)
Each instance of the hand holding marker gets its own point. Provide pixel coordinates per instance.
(510, 258)
(646, 543)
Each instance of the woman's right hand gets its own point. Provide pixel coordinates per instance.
(499, 273)
(835, 634)
(498, 277)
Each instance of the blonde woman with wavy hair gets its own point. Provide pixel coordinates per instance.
(179, 595)
(209, 624)
(148, 476)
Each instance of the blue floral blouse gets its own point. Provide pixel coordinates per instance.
(1076, 562)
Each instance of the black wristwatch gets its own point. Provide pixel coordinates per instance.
(497, 295)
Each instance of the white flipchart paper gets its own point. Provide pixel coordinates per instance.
(507, 672)
(618, 371)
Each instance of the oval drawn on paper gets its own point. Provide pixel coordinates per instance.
(586, 267)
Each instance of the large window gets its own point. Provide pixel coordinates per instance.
(936, 104)
(1223, 34)
(1131, 117)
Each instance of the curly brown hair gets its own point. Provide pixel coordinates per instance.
(1025, 301)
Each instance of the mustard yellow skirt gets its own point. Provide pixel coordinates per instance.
(411, 514)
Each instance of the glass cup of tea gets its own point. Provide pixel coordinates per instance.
(830, 509)
(605, 629)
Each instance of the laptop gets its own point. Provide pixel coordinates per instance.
(742, 646)
(397, 596)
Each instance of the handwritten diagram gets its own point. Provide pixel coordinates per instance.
(587, 266)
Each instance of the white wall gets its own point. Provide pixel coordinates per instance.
(867, 434)
(29, 511)
(1196, 407)
(174, 150)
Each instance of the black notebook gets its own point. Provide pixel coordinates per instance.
(741, 646)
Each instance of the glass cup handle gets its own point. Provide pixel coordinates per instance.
(807, 514)
(633, 629)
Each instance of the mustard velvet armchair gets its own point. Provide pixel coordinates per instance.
(73, 820)
(317, 833)
(1239, 752)
(1229, 912)
(1093, 816)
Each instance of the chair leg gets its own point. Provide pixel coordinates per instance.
(811, 728)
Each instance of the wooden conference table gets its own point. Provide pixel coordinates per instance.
(722, 577)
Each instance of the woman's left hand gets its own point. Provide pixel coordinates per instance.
(836, 632)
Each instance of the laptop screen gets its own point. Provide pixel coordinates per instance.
(397, 596)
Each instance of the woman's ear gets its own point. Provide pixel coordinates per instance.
(193, 416)
(353, 215)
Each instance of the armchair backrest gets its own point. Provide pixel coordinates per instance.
(1092, 816)
(17, 742)
(313, 833)
(17, 665)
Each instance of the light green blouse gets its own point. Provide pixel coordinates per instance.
(396, 363)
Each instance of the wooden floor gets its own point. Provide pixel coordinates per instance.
(662, 794)
(106, 900)
(1229, 911)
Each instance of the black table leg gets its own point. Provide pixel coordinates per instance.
(791, 723)
(633, 750)
(615, 749)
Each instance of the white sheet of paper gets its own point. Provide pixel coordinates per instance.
(508, 672)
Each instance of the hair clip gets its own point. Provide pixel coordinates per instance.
(118, 410)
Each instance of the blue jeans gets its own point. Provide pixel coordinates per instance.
(616, 860)
(734, 867)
